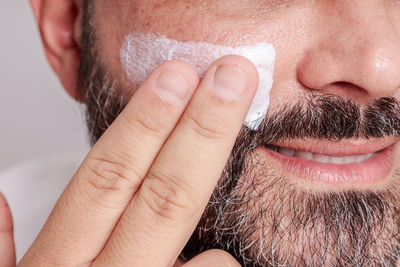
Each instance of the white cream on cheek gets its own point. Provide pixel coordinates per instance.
(143, 53)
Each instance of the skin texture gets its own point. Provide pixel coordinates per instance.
(347, 49)
(328, 41)
(7, 254)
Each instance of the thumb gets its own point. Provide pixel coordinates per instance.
(213, 258)
(7, 250)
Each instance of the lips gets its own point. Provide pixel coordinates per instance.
(342, 162)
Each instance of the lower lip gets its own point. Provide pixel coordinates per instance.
(373, 170)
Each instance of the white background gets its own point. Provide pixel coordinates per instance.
(37, 118)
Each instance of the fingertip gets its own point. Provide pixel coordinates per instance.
(213, 258)
(7, 248)
(6, 224)
(245, 65)
(184, 69)
(174, 83)
(223, 258)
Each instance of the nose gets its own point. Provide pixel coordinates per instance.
(356, 51)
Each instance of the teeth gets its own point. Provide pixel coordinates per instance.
(303, 155)
(323, 158)
(286, 151)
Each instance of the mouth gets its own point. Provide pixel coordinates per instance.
(342, 162)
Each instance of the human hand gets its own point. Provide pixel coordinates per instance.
(140, 192)
(7, 251)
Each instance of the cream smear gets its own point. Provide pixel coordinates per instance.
(143, 53)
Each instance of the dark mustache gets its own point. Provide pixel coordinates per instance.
(330, 118)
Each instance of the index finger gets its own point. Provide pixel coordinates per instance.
(163, 214)
(7, 251)
(89, 208)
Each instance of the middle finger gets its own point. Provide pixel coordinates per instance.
(162, 215)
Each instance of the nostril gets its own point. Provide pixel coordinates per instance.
(348, 86)
(341, 83)
(344, 89)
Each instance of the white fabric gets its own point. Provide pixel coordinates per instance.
(32, 188)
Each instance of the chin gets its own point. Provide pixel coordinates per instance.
(321, 204)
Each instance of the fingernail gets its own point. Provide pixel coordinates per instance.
(229, 82)
(172, 86)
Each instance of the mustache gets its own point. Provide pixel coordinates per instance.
(331, 118)
(325, 117)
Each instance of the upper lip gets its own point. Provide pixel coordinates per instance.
(349, 147)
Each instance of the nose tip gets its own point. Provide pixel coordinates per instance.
(354, 59)
(373, 71)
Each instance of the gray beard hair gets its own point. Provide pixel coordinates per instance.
(268, 221)
(263, 219)
(260, 217)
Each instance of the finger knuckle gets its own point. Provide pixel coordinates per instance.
(105, 175)
(146, 123)
(169, 198)
(206, 125)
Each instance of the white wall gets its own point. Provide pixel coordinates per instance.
(37, 118)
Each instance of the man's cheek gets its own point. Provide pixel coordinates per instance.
(142, 53)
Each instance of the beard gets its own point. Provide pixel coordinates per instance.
(259, 216)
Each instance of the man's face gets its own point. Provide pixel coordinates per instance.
(318, 183)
